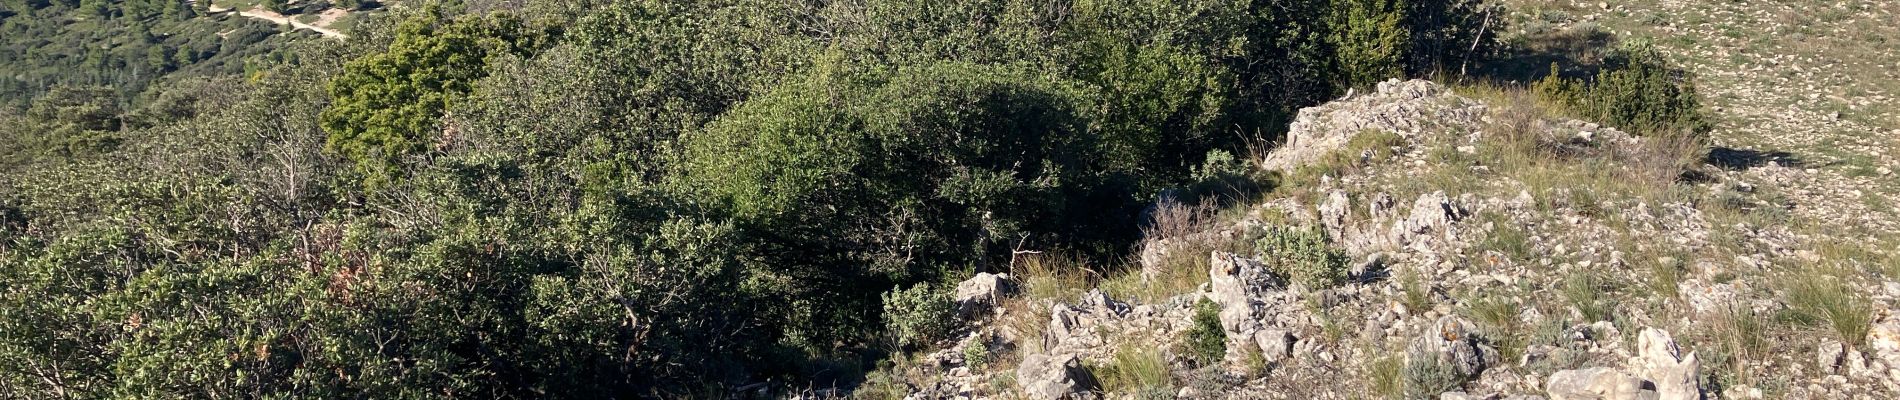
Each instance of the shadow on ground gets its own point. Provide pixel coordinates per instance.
(1573, 53)
(1740, 159)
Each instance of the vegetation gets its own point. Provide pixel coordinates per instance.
(1305, 256)
(1636, 90)
(619, 198)
(919, 315)
(1137, 371)
(1206, 341)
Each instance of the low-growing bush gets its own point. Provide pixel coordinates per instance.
(1305, 256)
(919, 315)
(1637, 90)
(1206, 342)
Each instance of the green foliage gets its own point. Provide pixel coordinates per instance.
(1585, 292)
(65, 123)
(45, 45)
(864, 176)
(628, 199)
(1305, 256)
(976, 355)
(1821, 299)
(1425, 376)
(1206, 341)
(920, 315)
(1371, 43)
(1637, 90)
(388, 105)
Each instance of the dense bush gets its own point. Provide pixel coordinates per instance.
(630, 199)
(1206, 341)
(388, 104)
(1637, 90)
(919, 316)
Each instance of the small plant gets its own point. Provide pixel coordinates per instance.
(1304, 256)
(1822, 299)
(1665, 274)
(1509, 239)
(1497, 318)
(1385, 375)
(1206, 341)
(1426, 377)
(920, 315)
(1739, 332)
(1585, 292)
(1417, 293)
(1138, 371)
(976, 355)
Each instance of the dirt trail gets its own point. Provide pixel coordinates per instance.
(280, 19)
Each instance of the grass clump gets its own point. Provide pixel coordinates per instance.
(1497, 319)
(1822, 300)
(1138, 371)
(1417, 294)
(1305, 256)
(1665, 273)
(1385, 375)
(1584, 291)
(1206, 342)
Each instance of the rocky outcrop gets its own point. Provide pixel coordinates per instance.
(1047, 377)
(981, 293)
(1658, 371)
(1408, 108)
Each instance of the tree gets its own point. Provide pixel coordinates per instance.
(387, 105)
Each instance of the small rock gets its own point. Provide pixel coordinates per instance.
(1829, 355)
(1593, 384)
(982, 292)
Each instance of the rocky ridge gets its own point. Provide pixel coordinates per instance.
(1464, 292)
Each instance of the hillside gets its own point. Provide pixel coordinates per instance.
(883, 199)
(1484, 247)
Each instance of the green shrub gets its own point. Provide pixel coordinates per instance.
(1304, 256)
(976, 354)
(1637, 90)
(1206, 341)
(920, 315)
(387, 105)
(1370, 39)
(1425, 376)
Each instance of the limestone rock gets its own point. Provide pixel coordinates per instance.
(1662, 363)
(1597, 383)
(1053, 377)
(981, 292)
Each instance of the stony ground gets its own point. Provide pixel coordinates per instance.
(1813, 85)
(1494, 249)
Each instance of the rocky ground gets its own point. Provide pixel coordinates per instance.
(1492, 252)
(1494, 249)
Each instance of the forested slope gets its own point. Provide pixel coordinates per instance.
(615, 199)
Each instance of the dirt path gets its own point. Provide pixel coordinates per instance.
(280, 19)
